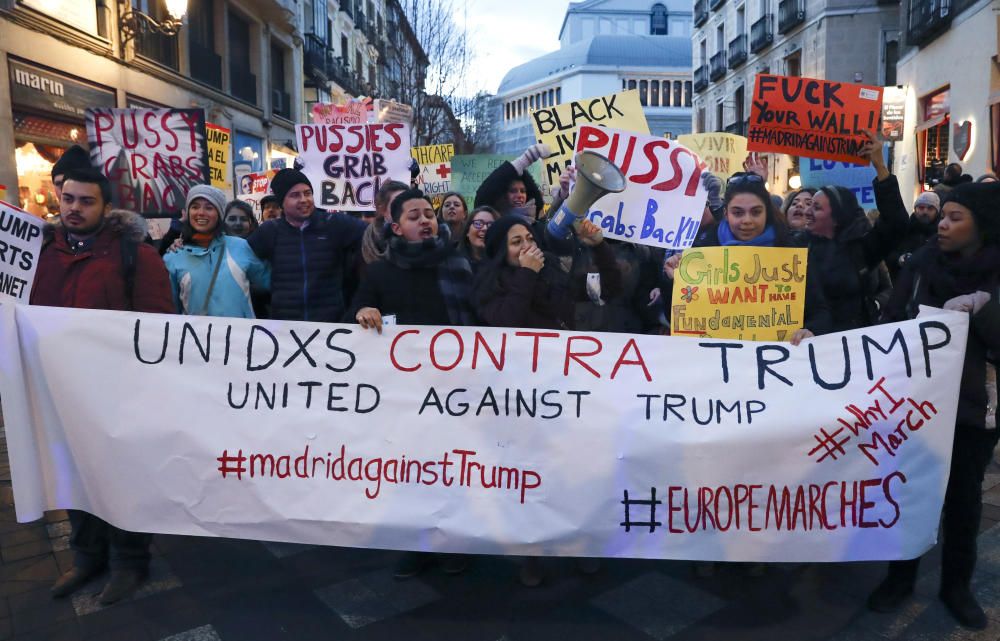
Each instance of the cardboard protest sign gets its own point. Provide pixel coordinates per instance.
(487, 440)
(722, 153)
(664, 198)
(434, 178)
(749, 293)
(151, 156)
(385, 111)
(810, 117)
(354, 112)
(858, 178)
(218, 157)
(348, 163)
(468, 171)
(556, 126)
(253, 187)
(20, 245)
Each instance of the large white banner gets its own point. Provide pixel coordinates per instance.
(485, 440)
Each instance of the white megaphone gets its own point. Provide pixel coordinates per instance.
(595, 177)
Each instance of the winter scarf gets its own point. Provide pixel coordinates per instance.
(727, 239)
(453, 272)
(373, 242)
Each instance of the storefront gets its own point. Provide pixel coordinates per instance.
(48, 111)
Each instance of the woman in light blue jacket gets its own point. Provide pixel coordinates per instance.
(212, 273)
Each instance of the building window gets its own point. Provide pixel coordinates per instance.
(558, 95)
(890, 57)
(631, 84)
(793, 64)
(643, 91)
(658, 20)
(243, 84)
(687, 93)
(701, 121)
(280, 100)
(343, 50)
(719, 123)
(155, 46)
(206, 65)
(932, 137)
(678, 92)
(654, 93)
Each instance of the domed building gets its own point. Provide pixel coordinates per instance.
(606, 46)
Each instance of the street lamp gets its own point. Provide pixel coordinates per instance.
(134, 22)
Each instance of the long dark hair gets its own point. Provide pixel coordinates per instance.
(464, 240)
(749, 183)
(487, 280)
(246, 209)
(465, 205)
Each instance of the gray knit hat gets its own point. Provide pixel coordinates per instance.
(928, 198)
(209, 193)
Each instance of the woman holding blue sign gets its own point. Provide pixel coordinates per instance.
(961, 272)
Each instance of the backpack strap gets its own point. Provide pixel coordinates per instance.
(130, 253)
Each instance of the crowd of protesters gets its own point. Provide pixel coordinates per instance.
(498, 265)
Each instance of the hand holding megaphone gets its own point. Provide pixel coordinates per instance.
(588, 233)
(595, 177)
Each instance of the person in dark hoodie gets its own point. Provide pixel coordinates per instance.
(421, 280)
(846, 249)
(960, 271)
(920, 228)
(308, 249)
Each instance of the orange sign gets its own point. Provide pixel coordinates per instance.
(812, 118)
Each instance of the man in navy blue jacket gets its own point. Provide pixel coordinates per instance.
(309, 250)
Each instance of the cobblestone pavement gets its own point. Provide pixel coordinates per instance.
(204, 589)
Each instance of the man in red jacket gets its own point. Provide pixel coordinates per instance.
(97, 260)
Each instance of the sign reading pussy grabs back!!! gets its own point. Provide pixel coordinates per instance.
(486, 440)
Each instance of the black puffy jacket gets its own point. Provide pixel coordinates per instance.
(309, 265)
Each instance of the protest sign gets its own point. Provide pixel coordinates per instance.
(810, 117)
(252, 189)
(556, 126)
(20, 245)
(486, 440)
(151, 156)
(348, 163)
(893, 112)
(749, 293)
(663, 199)
(722, 153)
(817, 173)
(468, 171)
(218, 157)
(354, 112)
(385, 111)
(434, 178)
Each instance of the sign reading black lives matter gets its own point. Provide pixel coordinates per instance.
(20, 245)
(151, 156)
(347, 164)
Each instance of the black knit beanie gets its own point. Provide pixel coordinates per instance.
(76, 157)
(283, 182)
(983, 200)
(496, 235)
(843, 205)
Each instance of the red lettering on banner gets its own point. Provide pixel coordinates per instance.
(392, 351)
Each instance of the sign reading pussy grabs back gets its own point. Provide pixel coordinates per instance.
(486, 440)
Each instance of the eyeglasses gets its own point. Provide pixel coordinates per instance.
(481, 224)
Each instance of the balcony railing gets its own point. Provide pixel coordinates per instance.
(928, 19)
(737, 51)
(715, 4)
(346, 7)
(314, 53)
(761, 34)
(701, 78)
(243, 84)
(718, 63)
(791, 13)
(206, 65)
(700, 12)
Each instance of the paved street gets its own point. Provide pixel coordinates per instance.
(215, 589)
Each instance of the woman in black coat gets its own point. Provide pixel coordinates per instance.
(846, 249)
(960, 271)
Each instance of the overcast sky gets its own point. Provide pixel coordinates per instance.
(506, 33)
